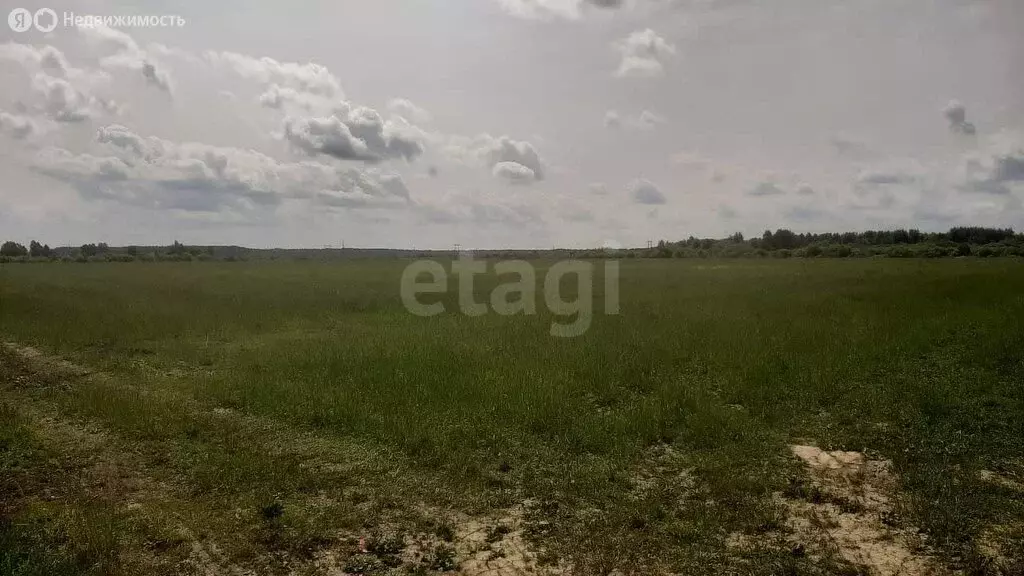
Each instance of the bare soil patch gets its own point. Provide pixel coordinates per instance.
(845, 509)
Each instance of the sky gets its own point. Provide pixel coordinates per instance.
(507, 123)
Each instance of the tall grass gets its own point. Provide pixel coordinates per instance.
(725, 361)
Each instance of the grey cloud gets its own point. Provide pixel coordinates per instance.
(366, 190)
(646, 192)
(956, 114)
(575, 213)
(156, 173)
(884, 176)
(851, 147)
(17, 126)
(45, 58)
(803, 214)
(158, 78)
(63, 91)
(766, 189)
(61, 101)
(329, 136)
(471, 208)
(514, 172)
(995, 169)
(360, 134)
(394, 185)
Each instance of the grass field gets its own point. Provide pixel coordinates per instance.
(293, 417)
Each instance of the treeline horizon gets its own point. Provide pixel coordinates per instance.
(958, 241)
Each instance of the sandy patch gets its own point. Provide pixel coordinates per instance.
(44, 363)
(476, 546)
(1000, 480)
(842, 512)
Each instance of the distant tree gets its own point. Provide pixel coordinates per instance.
(784, 238)
(13, 249)
(963, 249)
(37, 250)
(88, 250)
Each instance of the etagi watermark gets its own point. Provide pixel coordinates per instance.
(518, 296)
(46, 20)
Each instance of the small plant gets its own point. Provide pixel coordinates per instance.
(496, 533)
(445, 531)
(385, 544)
(362, 564)
(272, 512)
(442, 558)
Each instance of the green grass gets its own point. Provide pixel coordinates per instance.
(334, 393)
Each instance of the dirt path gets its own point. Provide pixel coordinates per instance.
(177, 533)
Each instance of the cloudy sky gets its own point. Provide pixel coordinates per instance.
(524, 123)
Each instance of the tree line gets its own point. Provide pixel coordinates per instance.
(11, 251)
(900, 243)
(781, 243)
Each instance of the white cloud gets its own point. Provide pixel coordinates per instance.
(490, 151)
(514, 172)
(646, 120)
(642, 53)
(62, 101)
(408, 110)
(46, 58)
(548, 9)
(128, 55)
(310, 78)
(62, 92)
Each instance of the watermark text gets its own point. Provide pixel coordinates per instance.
(47, 20)
(519, 295)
